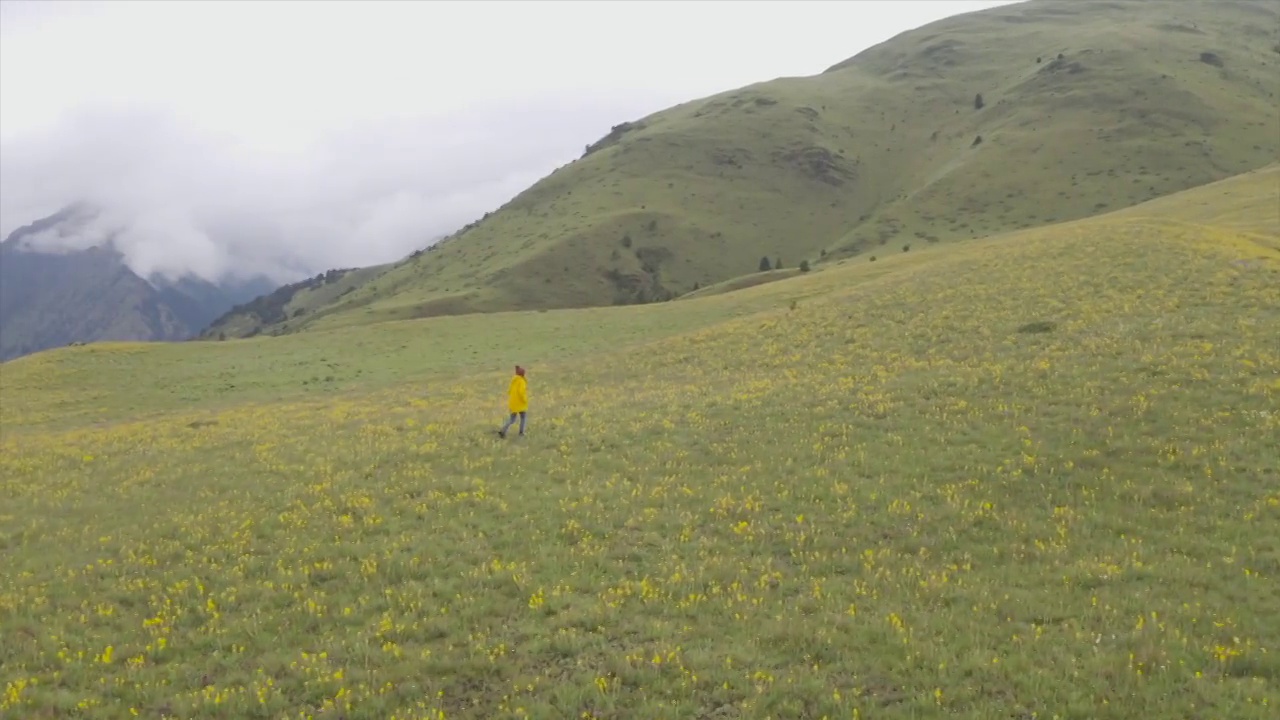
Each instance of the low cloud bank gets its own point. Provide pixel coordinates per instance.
(178, 200)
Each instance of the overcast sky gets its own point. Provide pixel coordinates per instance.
(291, 137)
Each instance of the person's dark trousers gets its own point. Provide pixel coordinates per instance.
(511, 420)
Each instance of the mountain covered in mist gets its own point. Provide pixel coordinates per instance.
(55, 297)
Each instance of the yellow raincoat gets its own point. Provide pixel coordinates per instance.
(518, 395)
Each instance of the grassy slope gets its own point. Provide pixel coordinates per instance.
(303, 298)
(877, 150)
(887, 499)
(741, 283)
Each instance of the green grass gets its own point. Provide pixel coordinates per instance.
(873, 155)
(305, 300)
(741, 283)
(1027, 476)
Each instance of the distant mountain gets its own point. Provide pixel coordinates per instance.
(51, 299)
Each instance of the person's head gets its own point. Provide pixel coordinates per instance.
(520, 371)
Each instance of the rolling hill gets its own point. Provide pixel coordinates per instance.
(1029, 475)
(50, 299)
(1040, 112)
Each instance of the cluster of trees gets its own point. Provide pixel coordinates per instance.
(766, 266)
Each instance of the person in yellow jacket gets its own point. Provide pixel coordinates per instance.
(517, 401)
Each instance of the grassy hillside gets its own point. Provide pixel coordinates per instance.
(1026, 476)
(276, 309)
(1086, 106)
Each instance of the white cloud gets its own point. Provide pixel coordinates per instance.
(186, 200)
(290, 137)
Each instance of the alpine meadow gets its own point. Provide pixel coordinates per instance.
(1006, 447)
